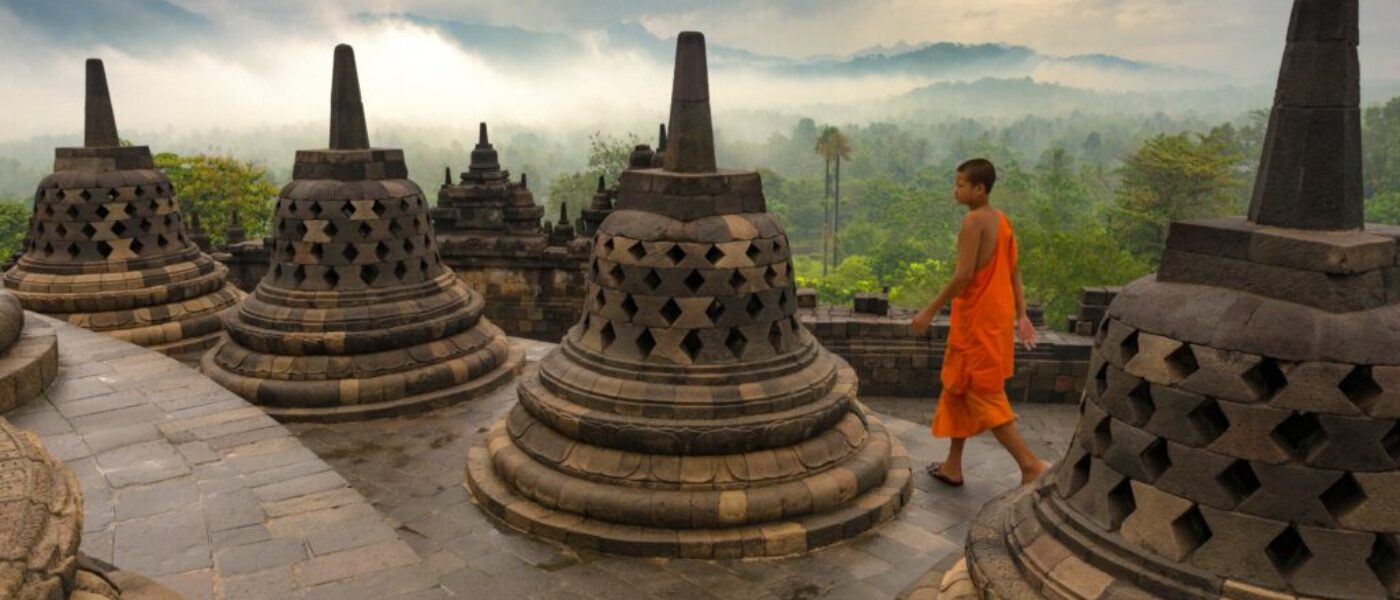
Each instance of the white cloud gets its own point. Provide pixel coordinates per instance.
(269, 61)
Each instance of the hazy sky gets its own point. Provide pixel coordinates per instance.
(205, 63)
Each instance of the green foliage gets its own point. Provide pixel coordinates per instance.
(1383, 208)
(885, 150)
(920, 281)
(798, 201)
(1057, 264)
(1174, 177)
(852, 276)
(1381, 139)
(213, 187)
(607, 156)
(14, 225)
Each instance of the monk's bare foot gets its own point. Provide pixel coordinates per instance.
(1034, 473)
(950, 476)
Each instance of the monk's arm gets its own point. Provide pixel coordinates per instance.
(1024, 328)
(969, 238)
(1020, 292)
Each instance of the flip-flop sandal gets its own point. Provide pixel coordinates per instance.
(933, 470)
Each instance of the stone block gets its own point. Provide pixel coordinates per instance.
(1336, 252)
(1293, 493)
(1237, 547)
(1332, 293)
(1235, 376)
(1161, 524)
(1228, 237)
(1337, 565)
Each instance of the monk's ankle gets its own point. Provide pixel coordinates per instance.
(1031, 473)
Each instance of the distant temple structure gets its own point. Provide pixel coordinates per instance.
(490, 232)
(1239, 435)
(358, 316)
(689, 414)
(107, 247)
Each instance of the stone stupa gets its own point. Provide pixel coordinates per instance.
(1238, 437)
(28, 355)
(108, 249)
(689, 414)
(358, 317)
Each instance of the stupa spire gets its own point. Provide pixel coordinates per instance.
(348, 130)
(1310, 170)
(99, 123)
(692, 141)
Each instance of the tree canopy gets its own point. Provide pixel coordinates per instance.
(217, 187)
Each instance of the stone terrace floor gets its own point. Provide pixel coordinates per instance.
(187, 483)
(411, 468)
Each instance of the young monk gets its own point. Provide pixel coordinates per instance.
(988, 306)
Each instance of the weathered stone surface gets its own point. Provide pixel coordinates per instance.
(358, 316)
(107, 248)
(1310, 172)
(207, 529)
(28, 355)
(41, 517)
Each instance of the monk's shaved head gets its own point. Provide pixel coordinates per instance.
(979, 171)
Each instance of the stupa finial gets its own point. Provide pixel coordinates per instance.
(348, 130)
(99, 123)
(1310, 170)
(692, 137)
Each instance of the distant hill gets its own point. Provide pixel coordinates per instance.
(930, 61)
(1025, 96)
(143, 28)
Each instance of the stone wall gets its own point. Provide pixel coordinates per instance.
(530, 293)
(247, 262)
(892, 361)
(1093, 305)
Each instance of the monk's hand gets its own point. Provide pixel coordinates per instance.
(921, 321)
(1026, 331)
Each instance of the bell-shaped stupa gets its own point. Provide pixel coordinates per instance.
(689, 414)
(1239, 434)
(107, 245)
(357, 317)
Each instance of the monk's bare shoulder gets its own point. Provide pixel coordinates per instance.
(982, 220)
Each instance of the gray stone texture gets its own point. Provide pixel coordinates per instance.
(194, 502)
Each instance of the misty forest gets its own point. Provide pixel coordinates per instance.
(1090, 177)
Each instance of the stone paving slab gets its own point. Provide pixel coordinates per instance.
(187, 483)
(412, 468)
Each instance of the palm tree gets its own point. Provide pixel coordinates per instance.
(833, 146)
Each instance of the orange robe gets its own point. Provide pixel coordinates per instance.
(981, 347)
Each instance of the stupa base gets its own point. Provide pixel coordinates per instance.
(1013, 555)
(28, 366)
(197, 326)
(188, 346)
(256, 390)
(772, 539)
